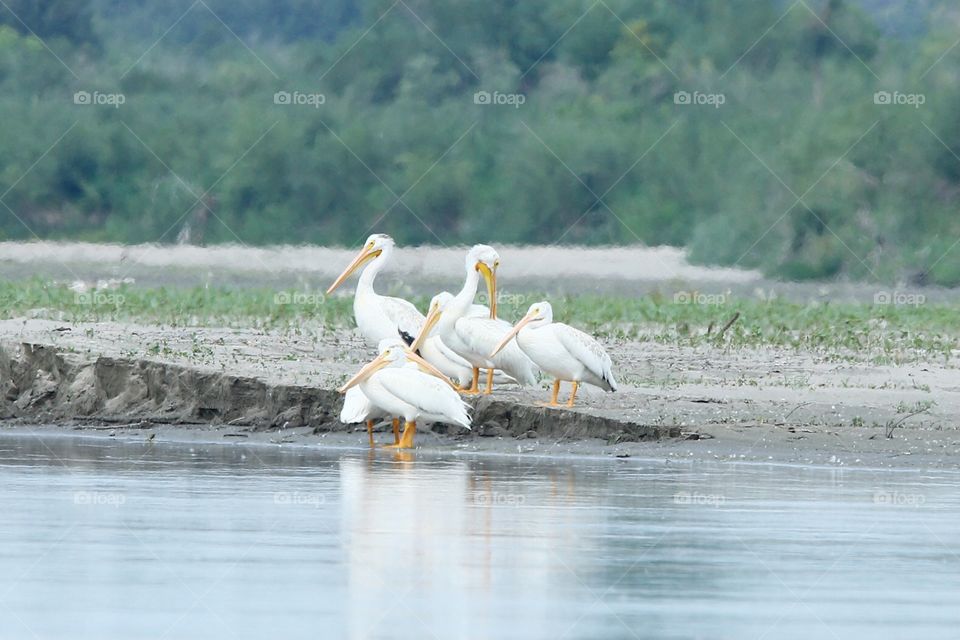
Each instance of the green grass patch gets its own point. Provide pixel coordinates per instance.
(880, 333)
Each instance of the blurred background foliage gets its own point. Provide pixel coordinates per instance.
(799, 173)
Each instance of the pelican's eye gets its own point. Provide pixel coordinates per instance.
(496, 263)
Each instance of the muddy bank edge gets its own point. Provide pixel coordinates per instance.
(47, 384)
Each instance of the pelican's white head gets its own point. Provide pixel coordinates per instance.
(377, 245)
(389, 343)
(482, 253)
(395, 355)
(484, 259)
(538, 315)
(442, 299)
(380, 242)
(437, 304)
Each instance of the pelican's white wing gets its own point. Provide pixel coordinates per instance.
(356, 407)
(481, 336)
(588, 352)
(448, 352)
(427, 393)
(449, 363)
(446, 359)
(404, 316)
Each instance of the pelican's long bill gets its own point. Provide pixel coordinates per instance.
(433, 316)
(490, 276)
(366, 254)
(527, 319)
(429, 368)
(368, 370)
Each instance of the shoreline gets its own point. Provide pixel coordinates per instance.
(703, 403)
(441, 448)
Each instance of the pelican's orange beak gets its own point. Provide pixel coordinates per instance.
(527, 319)
(368, 370)
(490, 276)
(366, 254)
(433, 316)
(429, 368)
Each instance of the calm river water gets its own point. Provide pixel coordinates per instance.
(118, 539)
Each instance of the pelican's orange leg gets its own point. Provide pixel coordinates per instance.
(553, 396)
(573, 393)
(489, 388)
(370, 432)
(396, 430)
(406, 440)
(475, 385)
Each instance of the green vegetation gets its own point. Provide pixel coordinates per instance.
(200, 141)
(879, 333)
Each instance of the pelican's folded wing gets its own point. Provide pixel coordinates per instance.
(588, 351)
(356, 406)
(405, 316)
(427, 393)
(481, 335)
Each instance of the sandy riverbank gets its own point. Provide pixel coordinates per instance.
(700, 403)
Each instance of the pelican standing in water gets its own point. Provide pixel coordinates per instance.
(474, 338)
(402, 391)
(357, 407)
(562, 351)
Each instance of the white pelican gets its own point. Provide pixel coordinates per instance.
(443, 358)
(357, 407)
(379, 317)
(474, 338)
(402, 391)
(562, 351)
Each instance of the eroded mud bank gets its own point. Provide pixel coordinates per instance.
(52, 384)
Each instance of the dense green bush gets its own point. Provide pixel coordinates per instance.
(599, 151)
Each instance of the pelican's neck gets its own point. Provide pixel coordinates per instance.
(460, 304)
(369, 274)
(533, 326)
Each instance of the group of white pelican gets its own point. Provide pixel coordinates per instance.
(420, 357)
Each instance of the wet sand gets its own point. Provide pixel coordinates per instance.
(704, 403)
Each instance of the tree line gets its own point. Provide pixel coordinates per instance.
(810, 140)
